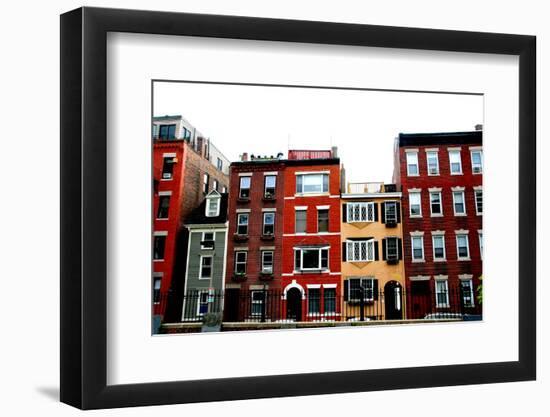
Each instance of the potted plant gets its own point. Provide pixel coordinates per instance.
(211, 322)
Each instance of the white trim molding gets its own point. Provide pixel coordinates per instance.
(294, 284)
(323, 207)
(441, 277)
(160, 233)
(271, 173)
(245, 174)
(269, 210)
(163, 193)
(462, 232)
(419, 278)
(417, 233)
(242, 211)
(330, 285)
(458, 188)
(311, 172)
(438, 232)
(300, 208)
(465, 277)
(435, 189)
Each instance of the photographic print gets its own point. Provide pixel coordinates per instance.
(297, 207)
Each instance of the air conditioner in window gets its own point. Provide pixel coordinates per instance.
(166, 175)
(477, 170)
(392, 259)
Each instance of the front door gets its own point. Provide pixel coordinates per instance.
(393, 301)
(294, 304)
(231, 305)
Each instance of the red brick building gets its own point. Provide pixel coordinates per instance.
(311, 276)
(441, 177)
(183, 173)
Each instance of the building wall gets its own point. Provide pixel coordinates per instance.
(448, 223)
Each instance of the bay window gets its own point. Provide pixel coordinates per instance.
(360, 212)
(311, 183)
(311, 258)
(360, 250)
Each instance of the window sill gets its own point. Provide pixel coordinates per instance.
(418, 261)
(456, 173)
(436, 215)
(162, 218)
(311, 271)
(415, 216)
(464, 259)
(440, 260)
(460, 215)
(158, 260)
(311, 194)
(166, 179)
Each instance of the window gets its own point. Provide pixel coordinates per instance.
(311, 183)
(215, 185)
(358, 286)
(168, 167)
(155, 131)
(257, 307)
(167, 132)
(212, 206)
(269, 224)
(311, 258)
(186, 134)
(267, 262)
(458, 203)
(467, 289)
(219, 164)
(164, 205)
(314, 300)
(462, 248)
(480, 244)
(205, 180)
(479, 201)
(158, 247)
(412, 163)
(208, 239)
(439, 247)
(301, 221)
(269, 186)
(390, 213)
(415, 207)
(242, 223)
(202, 305)
(322, 220)
(240, 262)
(244, 188)
(455, 162)
(435, 203)
(392, 248)
(360, 212)
(433, 163)
(360, 250)
(477, 161)
(206, 267)
(156, 290)
(330, 300)
(442, 293)
(417, 243)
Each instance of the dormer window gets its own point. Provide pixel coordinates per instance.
(213, 204)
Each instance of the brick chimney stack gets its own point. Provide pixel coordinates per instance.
(244, 157)
(334, 151)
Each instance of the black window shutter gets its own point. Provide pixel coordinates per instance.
(398, 211)
(383, 249)
(344, 253)
(375, 288)
(383, 212)
(375, 211)
(344, 213)
(346, 290)
(375, 250)
(400, 248)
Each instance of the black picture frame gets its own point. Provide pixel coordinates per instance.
(84, 207)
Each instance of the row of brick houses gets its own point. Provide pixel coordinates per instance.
(292, 241)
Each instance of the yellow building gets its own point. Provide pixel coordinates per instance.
(372, 253)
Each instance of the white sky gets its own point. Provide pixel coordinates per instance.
(268, 120)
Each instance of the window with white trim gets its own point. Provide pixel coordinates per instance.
(462, 247)
(322, 220)
(360, 212)
(219, 164)
(212, 206)
(244, 187)
(156, 290)
(433, 162)
(202, 303)
(442, 293)
(242, 223)
(215, 185)
(269, 186)
(415, 206)
(311, 183)
(159, 243)
(168, 167)
(479, 201)
(314, 300)
(329, 295)
(268, 227)
(417, 246)
(206, 267)
(438, 243)
(477, 161)
(390, 211)
(311, 258)
(240, 262)
(164, 206)
(224, 189)
(435, 203)
(467, 288)
(459, 203)
(207, 241)
(205, 181)
(455, 162)
(358, 286)
(300, 221)
(480, 234)
(360, 250)
(267, 261)
(257, 303)
(392, 248)
(412, 163)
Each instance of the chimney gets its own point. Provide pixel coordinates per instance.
(244, 157)
(479, 127)
(334, 151)
(342, 179)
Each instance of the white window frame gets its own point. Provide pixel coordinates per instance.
(419, 193)
(409, 164)
(476, 192)
(432, 214)
(202, 257)
(209, 204)
(386, 204)
(480, 240)
(199, 302)
(396, 248)
(262, 254)
(467, 257)
(161, 197)
(165, 157)
(241, 188)
(309, 292)
(413, 237)
(236, 261)
(317, 174)
(472, 152)
(267, 214)
(239, 215)
(203, 238)
(369, 212)
(255, 302)
(446, 292)
(455, 151)
(434, 237)
(473, 303)
(295, 222)
(205, 181)
(369, 247)
(362, 280)
(428, 153)
(328, 220)
(319, 249)
(274, 186)
(463, 202)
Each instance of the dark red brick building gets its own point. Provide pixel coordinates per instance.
(441, 177)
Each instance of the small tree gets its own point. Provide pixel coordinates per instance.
(479, 290)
